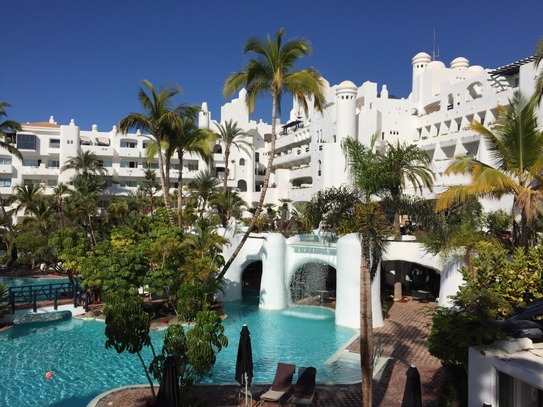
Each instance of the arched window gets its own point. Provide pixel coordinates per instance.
(242, 185)
(217, 149)
(242, 162)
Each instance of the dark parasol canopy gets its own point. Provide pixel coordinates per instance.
(244, 360)
(412, 396)
(168, 393)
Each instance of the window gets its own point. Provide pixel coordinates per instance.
(128, 144)
(107, 163)
(5, 160)
(127, 183)
(193, 167)
(129, 164)
(53, 164)
(242, 162)
(174, 166)
(52, 182)
(26, 142)
(257, 157)
(146, 144)
(32, 181)
(5, 182)
(54, 143)
(27, 162)
(152, 166)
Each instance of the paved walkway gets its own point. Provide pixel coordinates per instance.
(403, 339)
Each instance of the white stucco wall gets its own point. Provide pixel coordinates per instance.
(348, 285)
(281, 258)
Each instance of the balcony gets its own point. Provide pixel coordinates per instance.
(39, 170)
(96, 149)
(300, 174)
(128, 152)
(297, 156)
(129, 172)
(6, 168)
(292, 140)
(300, 194)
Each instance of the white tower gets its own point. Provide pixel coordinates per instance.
(345, 110)
(69, 139)
(419, 62)
(203, 117)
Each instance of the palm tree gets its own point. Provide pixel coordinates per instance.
(8, 126)
(59, 193)
(515, 143)
(149, 187)
(204, 185)
(85, 164)
(366, 169)
(187, 137)
(227, 203)
(401, 164)
(539, 80)
(159, 120)
(272, 70)
(230, 134)
(27, 197)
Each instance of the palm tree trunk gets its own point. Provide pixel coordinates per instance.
(366, 329)
(165, 186)
(226, 158)
(262, 193)
(180, 189)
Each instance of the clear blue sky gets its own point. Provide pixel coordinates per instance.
(84, 60)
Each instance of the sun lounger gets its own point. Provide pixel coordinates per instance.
(304, 389)
(281, 383)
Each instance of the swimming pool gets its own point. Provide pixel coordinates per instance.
(82, 368)
(21, 281)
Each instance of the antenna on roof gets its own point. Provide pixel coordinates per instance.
(435, 53)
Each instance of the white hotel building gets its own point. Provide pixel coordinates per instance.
(435, 116)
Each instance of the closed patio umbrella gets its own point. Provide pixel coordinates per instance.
(168, 393)
(244, 360)
(412, 396)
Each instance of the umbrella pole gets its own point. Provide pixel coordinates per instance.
(246, 396)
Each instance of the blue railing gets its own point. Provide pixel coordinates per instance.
(32, 294)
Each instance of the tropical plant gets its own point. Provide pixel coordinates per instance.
(8, 127)
(27, 197)
(85, 164)
(159, 120)
(150, 187)
(127, 327)
(230, 134)
(501, 284)
(515, 143)
(333, 205)
(227, 203)
(539, 79)
(194, 350)
(203, 187)
(272, 70)
(187, 137)
(403, 164)
(366, 170)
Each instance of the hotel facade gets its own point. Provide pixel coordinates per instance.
(435, 116)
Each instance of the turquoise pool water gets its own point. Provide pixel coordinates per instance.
(20, 281)
(82, 368)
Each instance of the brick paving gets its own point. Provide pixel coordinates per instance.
(403, 338)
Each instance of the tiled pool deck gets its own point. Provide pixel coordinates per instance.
(403, 339)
